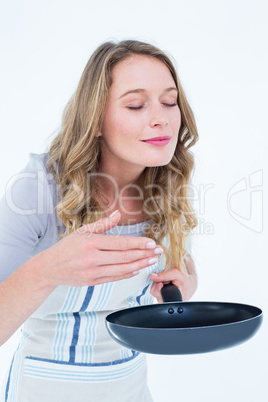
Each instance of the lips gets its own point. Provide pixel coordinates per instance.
(158, 138)
(158, 141)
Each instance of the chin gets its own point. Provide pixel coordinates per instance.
(159, 162)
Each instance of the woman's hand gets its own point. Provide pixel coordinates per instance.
(88, 257)
(187, 283)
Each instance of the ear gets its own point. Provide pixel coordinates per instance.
(98, 134)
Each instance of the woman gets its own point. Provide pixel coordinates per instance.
(113, 190)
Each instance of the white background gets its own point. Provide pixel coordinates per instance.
(221, 52)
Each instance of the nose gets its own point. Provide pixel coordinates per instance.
(158, 117)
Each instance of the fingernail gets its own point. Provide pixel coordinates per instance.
(154, 274)
(150, 244)
(135, 272)
(153, 261)
(158, 250)
(113, 214)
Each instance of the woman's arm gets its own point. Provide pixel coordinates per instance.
(86, 257)
(187, 283)
(20, 295)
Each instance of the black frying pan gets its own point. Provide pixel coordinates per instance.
(176, 327)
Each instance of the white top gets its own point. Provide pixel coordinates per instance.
(65, 349)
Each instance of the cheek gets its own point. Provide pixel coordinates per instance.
(177, 122)
(124, 130)
(178, 118)
(110, 128)
(114, 125)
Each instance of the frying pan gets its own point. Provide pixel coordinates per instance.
(176, 327)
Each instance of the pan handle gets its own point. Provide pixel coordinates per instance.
(170, 293)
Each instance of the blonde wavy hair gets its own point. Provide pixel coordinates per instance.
(74, 156)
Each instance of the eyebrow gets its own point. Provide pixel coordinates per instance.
(140, 90)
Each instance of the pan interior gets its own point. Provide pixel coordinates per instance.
(183, 315)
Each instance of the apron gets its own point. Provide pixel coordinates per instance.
(66, 354)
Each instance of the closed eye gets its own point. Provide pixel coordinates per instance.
(140, 107)
(170, 104)
(135, 107)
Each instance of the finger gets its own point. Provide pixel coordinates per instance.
(156, 288)
(113, 242)
(106, 279)
(110, 257)
(102, 225)
(121, 269)
(156, 291)
(172, 275)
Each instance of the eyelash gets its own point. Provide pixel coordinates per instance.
(140, 107)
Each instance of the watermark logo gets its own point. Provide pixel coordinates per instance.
(244, 198)
(249, 191)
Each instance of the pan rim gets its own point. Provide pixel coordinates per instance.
(258, 315)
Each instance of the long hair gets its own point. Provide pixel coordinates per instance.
(74, 156)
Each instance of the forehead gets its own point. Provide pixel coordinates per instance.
(139, 71)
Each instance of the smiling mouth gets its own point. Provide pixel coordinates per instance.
(158, 141)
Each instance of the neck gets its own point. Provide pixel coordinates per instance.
(121, 189)
(119, 179)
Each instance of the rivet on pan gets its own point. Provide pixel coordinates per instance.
(170, 310)
(180, 310)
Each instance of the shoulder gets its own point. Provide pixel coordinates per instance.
(33, 185)
(35, 172)
(38, 162)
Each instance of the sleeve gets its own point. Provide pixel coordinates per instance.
(24, 210)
